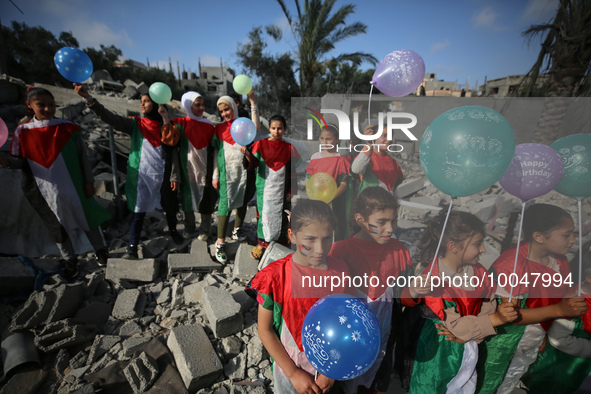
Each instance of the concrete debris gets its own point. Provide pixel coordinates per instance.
(145, 270)
(64, 333)
(129, 305)
(141, 373)
(223, 312)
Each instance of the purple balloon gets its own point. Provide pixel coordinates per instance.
(399, 73)
(535, 170)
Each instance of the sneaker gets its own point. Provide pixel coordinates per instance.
(238, 235)
(176, 237)
(130, 253)
(102, 256)
(220, 253)
(202, 237)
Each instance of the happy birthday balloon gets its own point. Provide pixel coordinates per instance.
(534, 171)
(243, 131)
(321, 186)
(160, 93)
(3, 132)
(575, 151)
(242, 84)
(73, 64)
(399, 73)
(341, 337)
(466, 150)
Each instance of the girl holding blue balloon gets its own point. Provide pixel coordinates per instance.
(150, 180)
(284, 299)
(232, 180)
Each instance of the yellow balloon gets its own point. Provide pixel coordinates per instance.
(321, 186)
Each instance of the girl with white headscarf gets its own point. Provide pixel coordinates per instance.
(231, 177)
(196, 163)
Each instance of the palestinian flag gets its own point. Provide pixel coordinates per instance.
(50, 146)
(145, 169)
(499, 351)
(273, 183)
(557, 372)
(196, 136)
(384, 171)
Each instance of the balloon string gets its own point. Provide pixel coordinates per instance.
(369, 106)
(579, 199)
(440, 238)
(517, 251)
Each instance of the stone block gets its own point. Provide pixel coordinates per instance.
(49, 306)
(141, 373)
(244, 300)
(101, 345)
(131, 92)
(236, 368)
(195, 358)
(130, 328)
(129, 304)
(144, 270)
(245, 267)
(132, 345)
(222, 311)
(186, 262)
(410, 186)
(143, 88)
(64, 333)
(193, 292)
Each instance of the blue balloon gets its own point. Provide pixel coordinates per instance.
(73, 64)
(243, 131)
(466, 150)
(341, 336)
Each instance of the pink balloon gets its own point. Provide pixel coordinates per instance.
(3, 132)
(535, 170)
(399, 73)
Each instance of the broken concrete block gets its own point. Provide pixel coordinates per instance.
(64, 333)
(193, 292)
(185, 262)
(195, 358)
(141, 373)
(231, 346)
(49, 306)
(222, 311)
(132, 345)
(129, 328)
(177, 294)
(255, 351)
(410, 186)
(144, 270)
(236, 367)
(143, 88)
(129, 304)
(164, 296)
(245, 267)
(131, 92)
(101, 345)
(244, 300)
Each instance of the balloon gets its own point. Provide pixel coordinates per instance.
(73, 64)
(534, 171)
(399, 73)
(243, 131)
(466, 150)
(160, 93)
(321, 186)
(575, 151)
(3, 132)
(242, 84)
(341, 336)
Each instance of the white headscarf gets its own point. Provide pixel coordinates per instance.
(187, 101)
(230, 101)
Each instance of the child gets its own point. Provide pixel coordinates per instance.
(548, 235)
(460, 306)
(284, 303)
(273, 159)
(372, 252)
(329, 161)
(57, 158)
(150, 180)
(196, 164)
(229, 176)
(565, 361)
(375, 166)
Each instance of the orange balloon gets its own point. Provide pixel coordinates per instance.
(321, 186)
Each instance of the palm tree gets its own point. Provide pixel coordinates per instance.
(566, 50)
(317, 30)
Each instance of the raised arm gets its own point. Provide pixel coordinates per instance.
(118, 122)
(254, 109)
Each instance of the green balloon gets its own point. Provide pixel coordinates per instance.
(466, 150)
(160, 93)
(242, 84)
(575, 151)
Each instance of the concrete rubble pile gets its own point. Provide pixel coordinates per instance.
(174, 320)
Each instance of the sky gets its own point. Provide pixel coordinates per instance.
(459, 40)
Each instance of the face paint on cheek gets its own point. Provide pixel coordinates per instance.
(304, 250)
(372, 228)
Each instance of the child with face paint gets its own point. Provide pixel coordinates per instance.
(548, 233)
(284, 302)
(438, 345)
(373, 253)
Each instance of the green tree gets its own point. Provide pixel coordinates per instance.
(275, 82)
(345, 78)
(565, 51)
(104, 57)
(317, 29)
